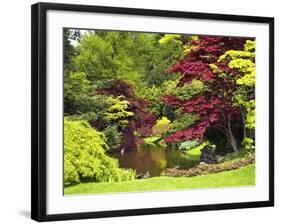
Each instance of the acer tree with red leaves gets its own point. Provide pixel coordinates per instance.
(214, 106)
(139, 125)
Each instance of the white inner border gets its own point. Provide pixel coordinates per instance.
(57, 203)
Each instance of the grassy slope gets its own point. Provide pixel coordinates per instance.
(241, 177)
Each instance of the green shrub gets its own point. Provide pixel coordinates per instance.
(248, 143)
(76, 93)
(187, 145)
(161, 126)
(113, 137)
(184, 92)
(181, 122)
(85, 158)
(118, 111)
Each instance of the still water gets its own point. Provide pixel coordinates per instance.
(154, 159)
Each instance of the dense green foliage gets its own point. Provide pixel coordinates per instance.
(123, 89)
(118, 110)
(85, 158)
(244, 63)
(69, 50)
(126, 63)
(76, 94)
(181, 121)
(113, 136)
(183, 92)
(161, 126)
(187, 145)
(117, 56)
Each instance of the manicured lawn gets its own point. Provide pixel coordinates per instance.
(240, 177)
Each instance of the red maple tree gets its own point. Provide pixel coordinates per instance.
(142, 121)
(213, 107)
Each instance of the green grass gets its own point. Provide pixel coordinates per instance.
(231, 157)
(241, 177)
(152, 139)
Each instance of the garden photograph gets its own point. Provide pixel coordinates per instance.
(157, 111)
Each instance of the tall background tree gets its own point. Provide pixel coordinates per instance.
(110, 69)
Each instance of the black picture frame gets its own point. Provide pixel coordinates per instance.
(38, 115)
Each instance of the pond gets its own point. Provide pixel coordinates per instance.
(154, 159)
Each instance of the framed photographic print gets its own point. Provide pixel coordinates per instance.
(139, 111)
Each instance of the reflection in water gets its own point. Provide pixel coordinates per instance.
(154, 159)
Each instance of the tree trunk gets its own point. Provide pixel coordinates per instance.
(244, 123)
(231, 137)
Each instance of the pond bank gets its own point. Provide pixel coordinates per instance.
(204, 168)
(244, 176)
